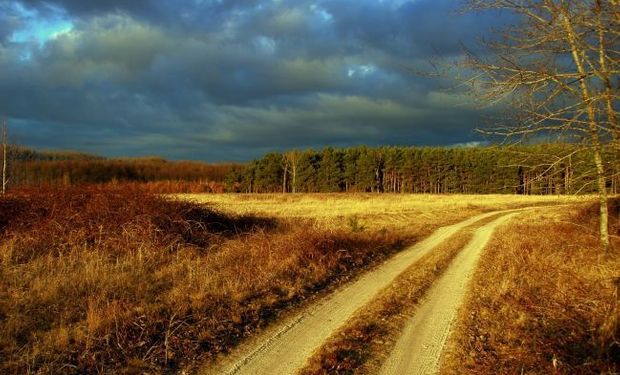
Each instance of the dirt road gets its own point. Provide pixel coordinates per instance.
(418, 350)
(285, 348)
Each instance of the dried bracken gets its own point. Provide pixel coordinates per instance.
(114, 279)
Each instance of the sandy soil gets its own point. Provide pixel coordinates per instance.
(419, 349)
(285, 347)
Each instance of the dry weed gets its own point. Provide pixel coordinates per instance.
(114, 279)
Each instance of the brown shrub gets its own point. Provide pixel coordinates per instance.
(97, 279)
(51, 221)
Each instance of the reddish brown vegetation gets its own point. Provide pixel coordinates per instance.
(41, 222)
(100, 279)
(179, 187)
(89, 171)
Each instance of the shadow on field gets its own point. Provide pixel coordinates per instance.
(113, 279)
(48, 220)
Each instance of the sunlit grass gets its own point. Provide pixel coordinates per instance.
(112, 278)
(544, 300)
(374, 211)
(104, 279)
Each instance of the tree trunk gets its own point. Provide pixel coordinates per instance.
(605, 77)
(294, 171)
(284, 178)
(5, 141)
(594, 135)
(602, 190)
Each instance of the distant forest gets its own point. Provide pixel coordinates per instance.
(35, 168)
(534, 169)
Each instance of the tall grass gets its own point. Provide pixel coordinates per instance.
(97, 279)
(544, 300)
(411, 213)
(365, 341)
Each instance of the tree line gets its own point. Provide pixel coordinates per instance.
(29, 167)
(533, 169)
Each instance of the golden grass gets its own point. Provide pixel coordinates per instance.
(116, 280)
(361, 346)
(409, 212)
(543, 301)
(100, 280)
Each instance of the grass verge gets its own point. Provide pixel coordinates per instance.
(361, 346)
(543, 300)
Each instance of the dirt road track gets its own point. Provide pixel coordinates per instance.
(418, 350)
(284, 348)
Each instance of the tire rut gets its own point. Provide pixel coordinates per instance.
(419, 348)
(284, 348)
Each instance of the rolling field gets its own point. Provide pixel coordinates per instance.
(115, 280)
(269, 187)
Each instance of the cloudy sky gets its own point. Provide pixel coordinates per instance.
(231, 79)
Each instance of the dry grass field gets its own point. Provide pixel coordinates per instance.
(363, 343)
(408, 212)
(118, 280)
(544, 299)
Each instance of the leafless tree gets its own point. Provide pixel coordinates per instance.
(285, 166)
(557, 67)
(292, 161)
(5, 146)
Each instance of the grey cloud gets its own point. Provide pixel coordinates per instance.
(228, 80)
(9, 21)
(413, 29)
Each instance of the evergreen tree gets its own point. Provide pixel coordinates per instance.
(269, 173)
(307, 173)
(350, 161)
(366, 171)
(517, 169)
(330, 172)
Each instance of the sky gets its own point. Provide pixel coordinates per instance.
(229, 80)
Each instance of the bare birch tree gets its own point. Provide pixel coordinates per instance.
(557, 67)
(292, 160)
(5, 146)
(285, 166)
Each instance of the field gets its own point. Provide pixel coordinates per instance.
(543, 301)
(409, 212)
(268, 187)
(118, 280)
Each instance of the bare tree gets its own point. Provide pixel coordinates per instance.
(5, 145)
(557, 66)
(292, 161)
(285, 166)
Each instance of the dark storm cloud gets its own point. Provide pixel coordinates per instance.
(90, 7)
(178, 13)
(411, 28)
(80, 7)
(224, 80)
